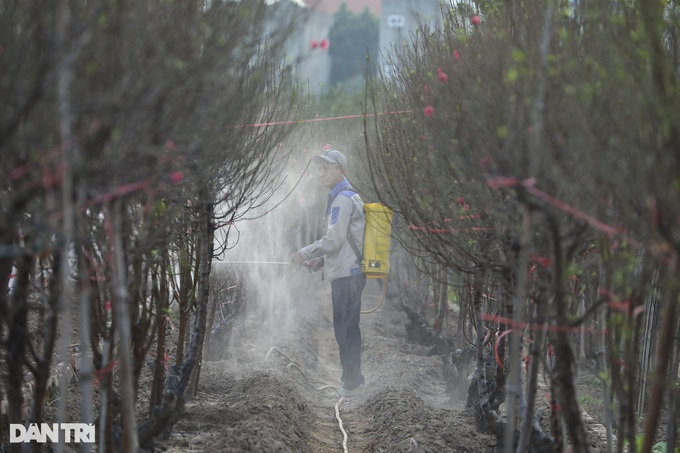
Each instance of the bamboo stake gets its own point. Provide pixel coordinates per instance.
(672, 424)
(649, 337)
(664, 350)
(602, 365)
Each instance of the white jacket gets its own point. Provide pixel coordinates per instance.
(344, 215)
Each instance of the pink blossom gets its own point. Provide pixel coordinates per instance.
(428, 111)
(313, 44)
(176, 177)
(324, 44)
(475, 20)
(456, 54)
(443, 77)
(170, 145)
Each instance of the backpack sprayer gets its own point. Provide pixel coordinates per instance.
(375, 260)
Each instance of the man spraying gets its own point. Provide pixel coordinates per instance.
(338, 252)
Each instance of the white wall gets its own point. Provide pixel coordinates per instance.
(313, 67)
(399, 19)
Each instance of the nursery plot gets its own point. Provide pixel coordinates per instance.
(279, 394)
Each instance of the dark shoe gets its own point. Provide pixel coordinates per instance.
(351, 384)
(350, 391)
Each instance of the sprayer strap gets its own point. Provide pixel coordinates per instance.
(350, 239)
(353, 244)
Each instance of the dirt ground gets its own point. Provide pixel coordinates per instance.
(284, 399)
(276, 390)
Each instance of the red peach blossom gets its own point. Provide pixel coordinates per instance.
(456, 54)
(428, 111)
(324, 44)
(475, 20)
(176, 177)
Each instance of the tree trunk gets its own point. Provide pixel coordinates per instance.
(161, 297)
(166, 414)
(120, 298)
(6, 264)
(211, 322)
(485, 414)
(44, 362)
(441, 301)
(564, 355)
(16, 343)
(532, 379)
(514, 385)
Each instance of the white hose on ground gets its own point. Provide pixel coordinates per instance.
(295, 365)
(337, 416)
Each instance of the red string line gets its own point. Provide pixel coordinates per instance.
(529, 186)
(495, 348)
(446, 230)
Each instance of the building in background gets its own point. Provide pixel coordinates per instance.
(398, 20)
(356, 6)
(307, 53)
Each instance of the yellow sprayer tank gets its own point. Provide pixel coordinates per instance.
(377, 240)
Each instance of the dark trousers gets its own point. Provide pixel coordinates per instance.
(346, 295)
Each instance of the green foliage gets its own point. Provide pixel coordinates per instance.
(338, 101)
(352, 37)
(659, 447)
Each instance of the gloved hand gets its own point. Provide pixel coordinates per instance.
(296, 259)
(314, 265)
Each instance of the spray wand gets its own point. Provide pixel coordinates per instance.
(276, 263)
